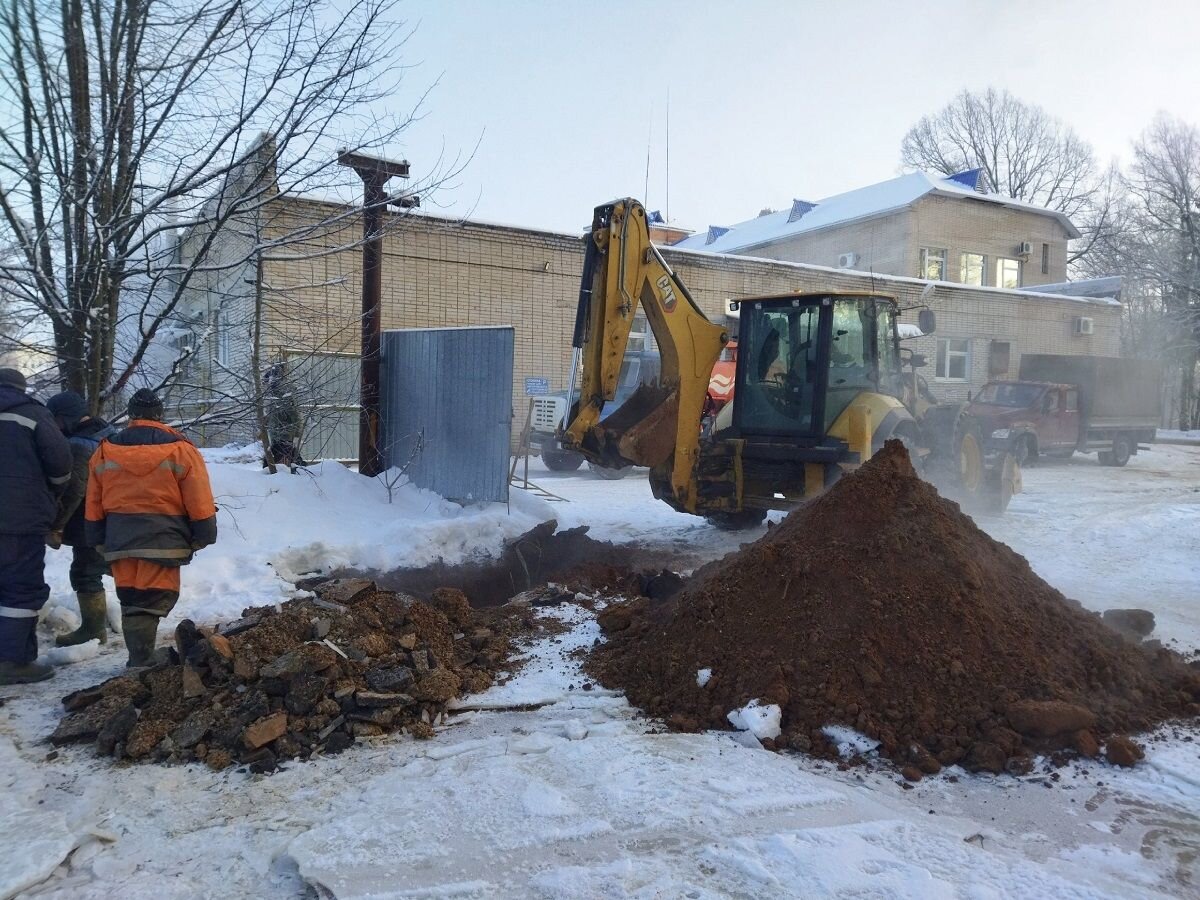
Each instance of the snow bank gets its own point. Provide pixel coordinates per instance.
(1174, 435)
(275, 528)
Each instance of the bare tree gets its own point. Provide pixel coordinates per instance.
(1024, 152)
(126, 124)
(1161, 246)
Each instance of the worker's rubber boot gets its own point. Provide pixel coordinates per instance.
(140, 633)
(93, 609)
(23, 673)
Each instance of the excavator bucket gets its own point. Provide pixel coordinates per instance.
(642, 431)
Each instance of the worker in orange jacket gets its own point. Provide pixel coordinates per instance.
(149, 509)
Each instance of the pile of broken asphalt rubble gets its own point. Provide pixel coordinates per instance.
(881, 607)
(308, 677)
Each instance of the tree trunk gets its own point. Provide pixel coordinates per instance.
(1187, 393)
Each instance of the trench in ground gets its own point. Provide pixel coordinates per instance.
(539, 557)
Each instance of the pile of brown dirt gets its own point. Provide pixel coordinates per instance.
(309, 678)
(880, 606)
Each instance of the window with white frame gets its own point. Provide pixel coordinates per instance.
(953, 359)
(971, 268)
(1008, 273)
(933, 264)
(637, 335)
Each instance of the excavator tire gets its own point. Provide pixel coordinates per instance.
(956, 464)
(737, 521)
(1003, 481)
(561, 460)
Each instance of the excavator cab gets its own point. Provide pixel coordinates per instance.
(819, 388)
(807, 358)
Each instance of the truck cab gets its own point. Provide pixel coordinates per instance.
(1028, 418)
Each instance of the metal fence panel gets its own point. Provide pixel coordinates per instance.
(447, 409)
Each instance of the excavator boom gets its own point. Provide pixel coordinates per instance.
(659, 426)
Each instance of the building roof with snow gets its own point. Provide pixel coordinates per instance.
(863, 203)
(1108, 286)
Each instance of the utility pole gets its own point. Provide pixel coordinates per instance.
(375, 174)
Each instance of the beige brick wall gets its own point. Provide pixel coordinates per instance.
(890, 244)
(219, 307)
(883, 245)
(976, 226)
(440, 273)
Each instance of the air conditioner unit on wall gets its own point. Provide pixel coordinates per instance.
(1083, 325)
(1024, 248)
(847, 260)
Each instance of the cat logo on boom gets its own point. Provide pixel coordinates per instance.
(668, 293)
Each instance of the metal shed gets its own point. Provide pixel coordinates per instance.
(447, 409)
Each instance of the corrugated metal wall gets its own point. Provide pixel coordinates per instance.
(447, 409)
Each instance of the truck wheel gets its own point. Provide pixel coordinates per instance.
(561, 460)
(606, 473)
(737, 521)
(1119, 455)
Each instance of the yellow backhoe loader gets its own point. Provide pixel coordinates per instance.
(820, 385)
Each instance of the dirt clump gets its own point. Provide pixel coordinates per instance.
(305, 678)
(1135, 624)
(882, 607)
(1121, 751)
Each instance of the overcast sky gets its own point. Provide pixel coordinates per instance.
(769, 101)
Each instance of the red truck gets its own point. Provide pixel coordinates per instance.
(1063, 404)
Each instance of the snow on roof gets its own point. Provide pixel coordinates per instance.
(1037, 291)
(1108, 286)
(863, 203)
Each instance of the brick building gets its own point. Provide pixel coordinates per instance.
(926, 226)
(440, 272)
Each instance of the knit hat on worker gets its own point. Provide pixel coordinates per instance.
(13, 378)
(145, 405)
(68, 406)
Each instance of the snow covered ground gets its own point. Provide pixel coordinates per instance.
(1109, 537)
(582, 798)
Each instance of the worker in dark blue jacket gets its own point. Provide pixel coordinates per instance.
(84, 433)
(35, 468)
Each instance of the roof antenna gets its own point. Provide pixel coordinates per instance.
(668, 178)
(649, 140)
